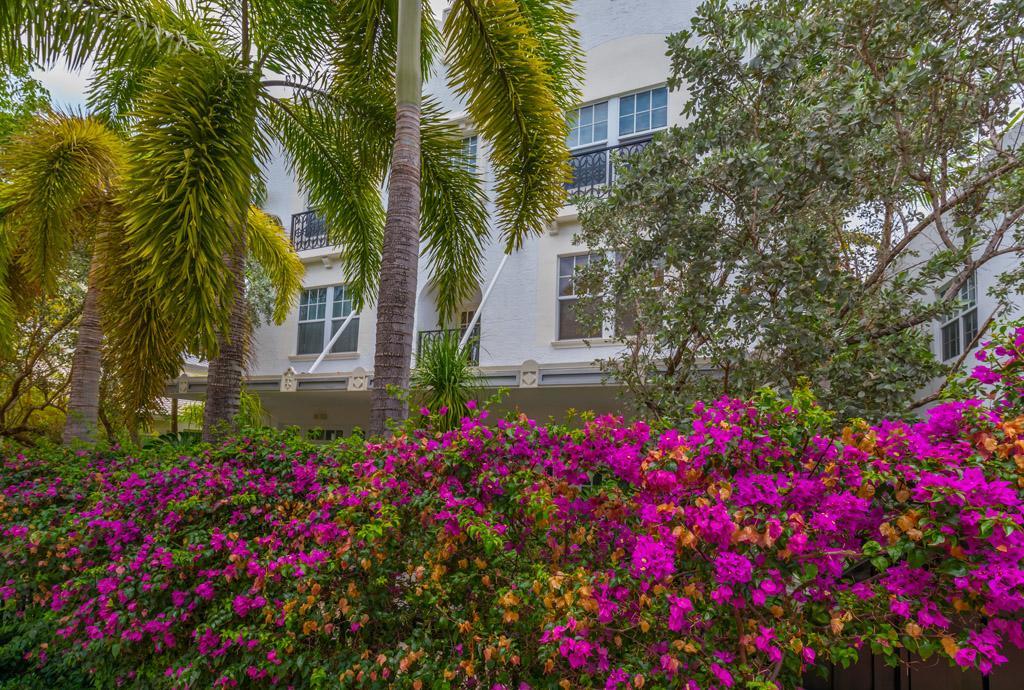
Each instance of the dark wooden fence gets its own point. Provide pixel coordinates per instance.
(871, 673)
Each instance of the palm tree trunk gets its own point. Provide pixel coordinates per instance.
(224, 377)
(397, 300)
(86, 365)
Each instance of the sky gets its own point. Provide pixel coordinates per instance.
(67, 89)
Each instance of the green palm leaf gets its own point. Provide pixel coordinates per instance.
(506, 71)
(56, 174)
(341, 172)
(189, 173)
(270, 247)
(453, 211)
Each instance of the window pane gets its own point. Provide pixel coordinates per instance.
(659, 118)
(586, 116)
(600, 131)
(342, 302)
(348, 341)
(311, 338)
(643, 121)
(951, 340)
(643, 101)
(573, 139)
(970, 329)
(659, 97)
(625, 124)
(601, 112)
(626, 105)
(625, 319)
(564, 286)
(569, 327)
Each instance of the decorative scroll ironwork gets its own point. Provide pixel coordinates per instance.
(309, 231)
(472, 345)
(594, 171)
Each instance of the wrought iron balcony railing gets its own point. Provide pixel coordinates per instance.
(594, 171)
(472, 345)
(308, 231)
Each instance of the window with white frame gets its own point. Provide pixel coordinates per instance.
(468, 156)
(957, 332)
(644, 111)
(588, 125)
(313, 332)
(569, 293)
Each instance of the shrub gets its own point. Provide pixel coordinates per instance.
(735, 551)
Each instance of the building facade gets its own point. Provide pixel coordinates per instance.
(525, 336)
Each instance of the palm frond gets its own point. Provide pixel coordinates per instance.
(339, 163)
(554, 25)
(54, 175)
(453, 211)
(294, 36)
(80, 31)
(270, 248)
(366, 47)
(189, 172)
(144, 347)
(503, 69)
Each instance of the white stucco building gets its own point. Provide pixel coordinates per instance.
(529, 341)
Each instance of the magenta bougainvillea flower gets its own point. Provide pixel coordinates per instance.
(741, 546)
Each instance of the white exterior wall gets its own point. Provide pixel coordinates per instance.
(624, 42)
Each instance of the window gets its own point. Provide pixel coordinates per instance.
(588, 125)
(468, 156)
(957, 333)
(348, 341)
(569, 292)
(312, 309)
(313, 334)
(643, 112)
(325, 434)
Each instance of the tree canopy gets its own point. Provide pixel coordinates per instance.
(845, 167)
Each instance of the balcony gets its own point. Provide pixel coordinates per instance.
(472, 345)
(594, 171)
(309, 231)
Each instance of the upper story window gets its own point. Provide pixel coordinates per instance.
(313, 332)
(958, 331)
(468, 156)
(643, 112)
(588, 125)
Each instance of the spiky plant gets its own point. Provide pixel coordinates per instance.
(445, 379)
(63, 185)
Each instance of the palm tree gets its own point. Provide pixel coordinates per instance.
(63, 180)
(516, 64)
(195, 84)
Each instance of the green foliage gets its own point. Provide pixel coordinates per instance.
(841, 174)
(21, 97)
(34, 373)
(444, 379)
(251, 414)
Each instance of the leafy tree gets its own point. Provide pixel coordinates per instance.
(64, 191)
(845, 167)
(516, 64)
(34, 376)
(21, 96)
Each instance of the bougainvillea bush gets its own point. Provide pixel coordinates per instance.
(738, 549)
